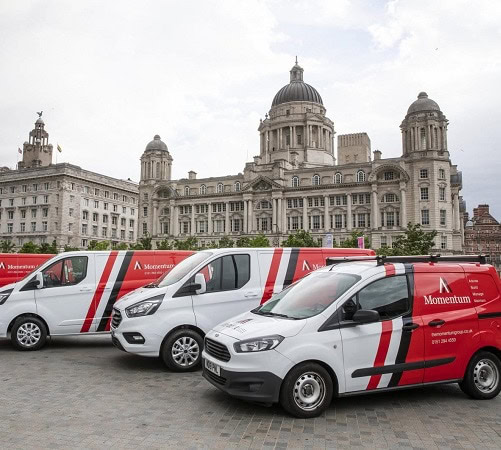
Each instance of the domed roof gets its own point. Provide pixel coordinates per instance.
(423, 103)
(156, 144)
(40, 120)
(297, 90)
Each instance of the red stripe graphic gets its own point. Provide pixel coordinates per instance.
(96, 299)
(389, 269)
(382, 351)
(272, 275)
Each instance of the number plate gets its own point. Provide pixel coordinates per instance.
(214, 368)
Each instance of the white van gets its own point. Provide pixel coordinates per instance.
(366, 326)
(170, 318)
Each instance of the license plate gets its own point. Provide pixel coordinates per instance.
(214, 368)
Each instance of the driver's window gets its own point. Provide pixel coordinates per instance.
(65, 272)
(388, 296)
(227, 273)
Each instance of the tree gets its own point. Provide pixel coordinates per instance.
(300, 239)
(164, 245)
(259, 241)
(6, 246)
(352, 241)
(226, 242)
(68, 248)
(145, 242)
(243, 241)
(29, 247)
(98, 245)
(415, 241)
(190, 243)
(121, 246)
(51, 248)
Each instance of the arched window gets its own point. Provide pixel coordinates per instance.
(315, 181)
(220, 188)
(295, 181)
(186, 190)
(338, 178)
(237, 186)
(360, 176)
(203, 189)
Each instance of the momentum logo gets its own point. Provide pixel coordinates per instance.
(2, 265)
(445, 288)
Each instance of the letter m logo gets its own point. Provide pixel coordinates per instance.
(138, 266)
(444, 287)
(2, 265)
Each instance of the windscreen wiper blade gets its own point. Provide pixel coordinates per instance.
(272, 314)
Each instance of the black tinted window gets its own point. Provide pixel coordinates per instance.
(227, 273)
(65, 272)
(388, 296)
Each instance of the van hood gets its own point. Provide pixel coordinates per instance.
(139, 295)
(250, 325)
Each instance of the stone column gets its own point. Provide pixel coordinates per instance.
(245, 216)
(155, 218)
(227, 219)
(455, 204)
(209, 217)
(171, 217)
(305, 214)
(294, 137)
(176, 221)
(403, 207)
(306, 136)
(251, 216)
(349, 220)
(273, 214)
(375, 208)
(279, 215)
(283, 228)
(192, 220)
(326, 213)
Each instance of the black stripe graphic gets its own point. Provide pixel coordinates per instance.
(291, 268)
(399, 368)
(489, 315)
(405, 339)
(115, 291)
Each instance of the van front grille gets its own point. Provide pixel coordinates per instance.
(116, 318)
(217, 350)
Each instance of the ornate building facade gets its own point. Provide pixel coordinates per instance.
(296, 182)
(41, 202)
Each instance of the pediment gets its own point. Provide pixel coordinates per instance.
(262, 183)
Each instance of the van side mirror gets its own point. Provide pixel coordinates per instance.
(366, 316)
(38, 282)
(200, 280)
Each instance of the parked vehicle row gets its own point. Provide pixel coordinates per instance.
(277, 325)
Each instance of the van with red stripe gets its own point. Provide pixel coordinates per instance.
(15, 266)
(368, 325)
(170, 318)
(74, 292)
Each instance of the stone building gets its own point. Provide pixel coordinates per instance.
(41, 201)
(296, 182)
(482, 234)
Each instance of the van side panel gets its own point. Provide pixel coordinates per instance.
(15, 266)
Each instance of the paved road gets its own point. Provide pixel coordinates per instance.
(83, 393)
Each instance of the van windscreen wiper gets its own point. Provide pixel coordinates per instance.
(272, 314)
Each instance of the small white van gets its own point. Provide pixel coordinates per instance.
(169, 318)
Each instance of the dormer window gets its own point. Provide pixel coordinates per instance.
(295, 181)
(203, 189)
(360, 176)
(237, 186)
(220, 188)
(315, 181)
(186, 190)
(338, 178)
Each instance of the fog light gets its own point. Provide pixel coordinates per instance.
(134, 338)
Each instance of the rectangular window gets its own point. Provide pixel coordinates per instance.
(425, 217)
(10, 227)
(443, 217)
(11, 202)
(85, 215)
(131, 235)
(131, 223)
(114, 220)
(23, 227)
(10, 215)
(33, 226)
(107, 195)
(105, 219)
(424, 193)
(35, 187)
(124, 209)
(94, 230)
(115, 208)
(390, 219)
(23, 214)
(25, 188)
(96, 203)
(33, 213)
(95, 217)
(362, 221)
(423, 173)
(44, 226)
(86, 202)
(202, 226)
(441, 174)
(235, 225)
(384, 241)
(338, 221)
(441, 193)
(46, 199)
(105, 206)
(145, 228)
(104, 232)
(145, 211)
(443, 242)
(84, 228)
(123, 222)
(84, 242)
(34, 200)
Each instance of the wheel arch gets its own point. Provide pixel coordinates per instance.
(327, 367)
(13, 321)
(181, 327)
(496, 351)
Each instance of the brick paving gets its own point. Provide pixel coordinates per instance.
(83, 393)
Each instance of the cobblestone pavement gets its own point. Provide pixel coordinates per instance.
(83, 393)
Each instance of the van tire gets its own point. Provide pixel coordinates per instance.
(28, 334)
(182, 351)
(482, 379)
(303, 382)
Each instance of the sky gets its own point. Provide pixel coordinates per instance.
(110, 75)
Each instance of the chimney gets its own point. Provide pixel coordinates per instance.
(192, 175)
(481, 210)
(377, 155)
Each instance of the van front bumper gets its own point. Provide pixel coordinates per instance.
(133, 336)
(261, 387)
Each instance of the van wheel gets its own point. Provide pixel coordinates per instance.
(482, 379)
(306, 391)
(28, 334)
(182, 351)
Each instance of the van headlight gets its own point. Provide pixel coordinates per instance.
(4, 296)
(259, 344)
(145, 307)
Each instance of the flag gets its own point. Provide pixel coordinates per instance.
(19, 150)
(59, 149)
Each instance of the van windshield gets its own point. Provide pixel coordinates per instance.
(309, 296)
(182, 269)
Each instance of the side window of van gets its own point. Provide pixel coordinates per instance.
(388, 296)
(227, 273)
(65, 272)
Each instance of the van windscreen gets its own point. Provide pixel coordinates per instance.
(309, 296)
(182, 269)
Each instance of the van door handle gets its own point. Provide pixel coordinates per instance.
(436, 323)
(250, 294)
(84, 289)
(411, 326)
